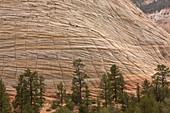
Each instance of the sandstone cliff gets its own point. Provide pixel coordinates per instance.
(157, 10)
(47, 35)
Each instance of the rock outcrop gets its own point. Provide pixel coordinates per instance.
(162, 18)
(157, 10)
(47, 35)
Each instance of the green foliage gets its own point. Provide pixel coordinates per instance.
(133, 106)
(166, 105)
(80, 92)
(112, 88)
(84, 107)
(125, 101)
(149, 105)
(105, 110)
(117, 84)
(41, 86)
(108, 110)
(5, 106)
(61, 92)
(132, 109)
(146, 87)
(70, 105)
(63, 110)
(159, 83)
(105, 93)
(55, 104)
(30, 92)
(138, 92)
(28, 108)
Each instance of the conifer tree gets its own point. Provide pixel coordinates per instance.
(80, 91)
(61, 93)
(5, 106)
(20, 98)
(83, 108)
(138, 92)
(28, 108)
(78, 83)
(162, 73)
(116, 84)
(30, 91)
(122, 97)
(42, 88)
(159, 83)
(145, 87)
(105, 93)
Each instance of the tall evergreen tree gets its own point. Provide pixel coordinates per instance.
(105, 93)
(159, 83)
(145, 87)
(5, 106)
(116, 84)
(78, 83)
(30, 91)
(80, 91)
(61, 93)
(162, 73)
(86, 96)
(20, 98)
(138, 92)
(122, 97)
(84, 107)
(42, 88)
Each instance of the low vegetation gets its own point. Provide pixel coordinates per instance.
(151, 96)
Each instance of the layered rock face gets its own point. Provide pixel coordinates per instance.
(47, 35)
(157, 10)
(162, 18)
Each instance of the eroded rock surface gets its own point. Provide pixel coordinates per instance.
(157, 10)
(162, 18)
(47, 35)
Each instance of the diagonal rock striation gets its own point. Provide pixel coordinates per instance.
(157, 10)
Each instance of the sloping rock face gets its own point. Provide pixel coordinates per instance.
(46, 36)
(157, 10)
(162, 18)
(150, 6)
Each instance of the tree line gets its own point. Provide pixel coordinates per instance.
(150, 97)
(155, 5)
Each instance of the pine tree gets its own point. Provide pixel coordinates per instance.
(105, 93)
(28, 108)
(116, 82)
(61, 92)
(145, 87)
(138, 92)
(122, 95)
(80, 91)
(162, 73)
(159, 83)
(5, 106)
(20, 98)
(42, 90)
(30, 91)
(133, 106)
(83, 108)
(78, 83)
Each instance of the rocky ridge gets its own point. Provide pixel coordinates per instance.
(157, 10)
(47, 35)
